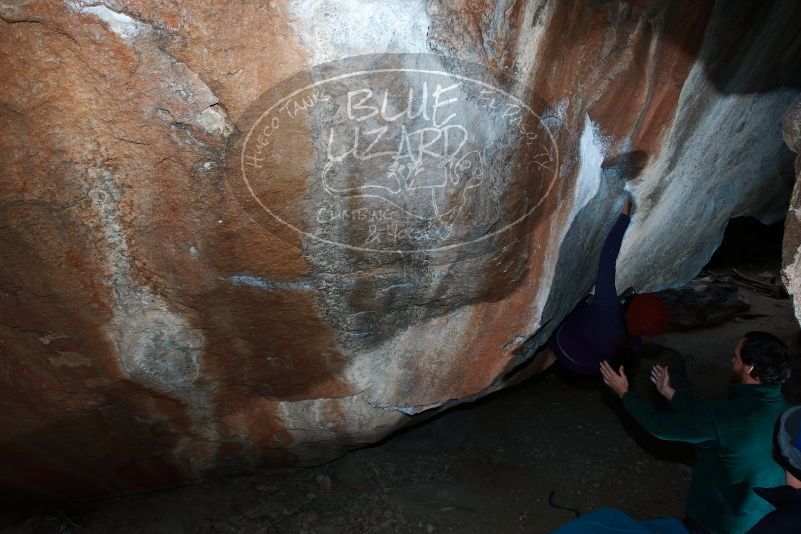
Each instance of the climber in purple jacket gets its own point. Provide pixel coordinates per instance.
(599, 331)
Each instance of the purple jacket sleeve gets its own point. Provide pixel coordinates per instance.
(605, 292)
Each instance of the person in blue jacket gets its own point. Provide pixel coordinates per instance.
(786, 518)
(611, 521)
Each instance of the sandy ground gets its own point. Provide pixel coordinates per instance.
(485, 468)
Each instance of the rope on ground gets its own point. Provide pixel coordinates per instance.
(554, 505)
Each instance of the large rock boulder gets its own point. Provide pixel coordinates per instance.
(791, 245)
(188, 286)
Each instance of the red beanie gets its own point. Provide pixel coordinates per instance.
(647, 315)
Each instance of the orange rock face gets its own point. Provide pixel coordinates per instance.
(188, 286)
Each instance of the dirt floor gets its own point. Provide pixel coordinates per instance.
(485, 468)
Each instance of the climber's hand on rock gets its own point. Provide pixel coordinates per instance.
(616, 380)
(626, 205)
(660, 376)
